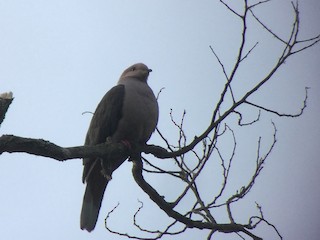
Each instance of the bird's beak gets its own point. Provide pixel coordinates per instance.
(149, 70)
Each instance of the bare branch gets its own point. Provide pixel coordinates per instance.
(262, 219)
(160, 91)
(259, 166)
(258, 3)
(224, 71)
(230, 9)
(182, 137)
(117, 232)
(248, 53)
(315, 41)
(138, 226)
(284, 114)
(220, 62)
(267, 28)
(240, 121)
(167, 207)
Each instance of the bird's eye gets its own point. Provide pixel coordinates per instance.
(133, 69)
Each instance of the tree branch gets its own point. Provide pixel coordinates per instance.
(167, 207)
(44, 148)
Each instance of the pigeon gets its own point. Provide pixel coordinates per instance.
(128, 113)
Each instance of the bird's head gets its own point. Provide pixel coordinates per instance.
(139, 71)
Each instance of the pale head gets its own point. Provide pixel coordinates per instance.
(138, 71)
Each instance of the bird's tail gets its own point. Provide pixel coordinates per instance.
(92, 202)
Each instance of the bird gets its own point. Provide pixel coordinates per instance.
(127, 113)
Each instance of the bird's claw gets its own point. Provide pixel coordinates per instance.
(127, 144)
(106, 174)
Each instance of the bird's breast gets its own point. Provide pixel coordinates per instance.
(139, 113)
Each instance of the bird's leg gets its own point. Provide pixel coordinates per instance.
(105, 165)
(105, 170)
(109, 140)
(109, 164)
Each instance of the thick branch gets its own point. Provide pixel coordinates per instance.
(44, 148)
(40, 147)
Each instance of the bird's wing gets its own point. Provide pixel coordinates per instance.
(104, 122)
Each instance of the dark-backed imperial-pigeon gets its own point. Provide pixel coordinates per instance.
(127, 113)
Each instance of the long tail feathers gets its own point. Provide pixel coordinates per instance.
(91, 204)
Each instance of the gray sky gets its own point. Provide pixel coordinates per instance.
(60, 57)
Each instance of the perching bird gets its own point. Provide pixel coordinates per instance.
(127, 113)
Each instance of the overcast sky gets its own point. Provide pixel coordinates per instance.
(60, 57)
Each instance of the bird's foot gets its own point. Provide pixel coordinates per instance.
(127, 144)
(106, 174)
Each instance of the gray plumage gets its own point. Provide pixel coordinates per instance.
(128, 112)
